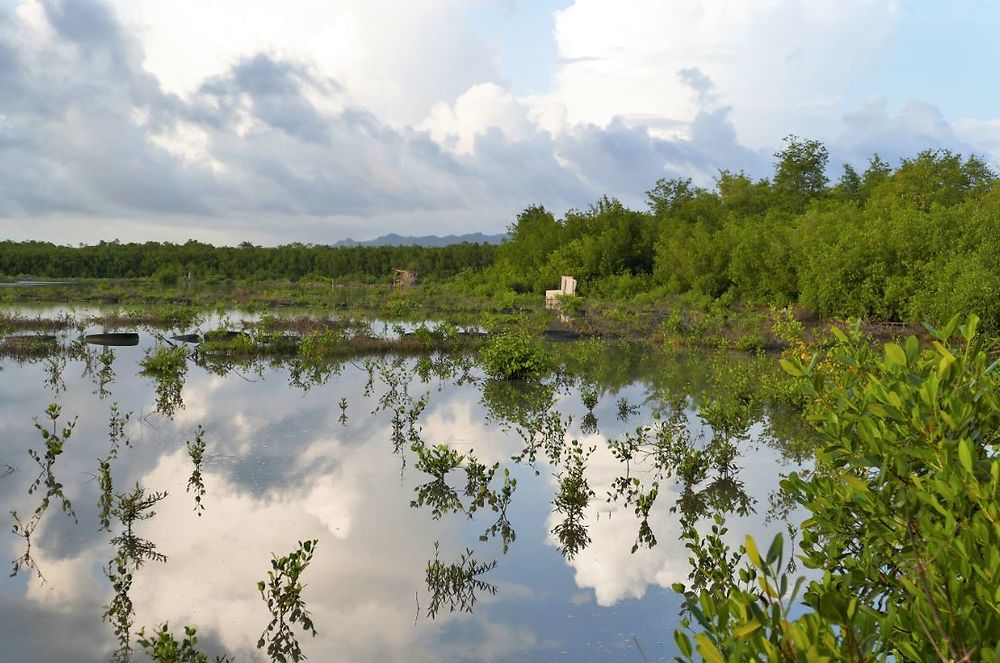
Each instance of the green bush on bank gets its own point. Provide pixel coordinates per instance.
(904, 517)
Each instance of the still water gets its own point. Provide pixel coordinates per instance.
(348, 455)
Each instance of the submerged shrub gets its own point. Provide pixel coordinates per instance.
(514, 355)
(165, 361)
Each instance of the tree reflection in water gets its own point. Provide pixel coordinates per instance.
(571, 500)
(117, 437)
(168, 366)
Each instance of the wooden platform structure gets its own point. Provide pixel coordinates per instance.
(404, 279)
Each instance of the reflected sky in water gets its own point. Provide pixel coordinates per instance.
(280, 467)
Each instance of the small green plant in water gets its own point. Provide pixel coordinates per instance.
(129, 509)
(282, 591)
(132, 552)
(54, 367)
(163, 647)
(167, 366)
(456, 585)
(626, 409)
(55, 441)
(437, 461)
(196, 483)
(342, 419)
(117, 437)
(571, 501)
(106, 374)
(514, 355)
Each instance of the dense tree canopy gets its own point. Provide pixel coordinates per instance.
(919, 242)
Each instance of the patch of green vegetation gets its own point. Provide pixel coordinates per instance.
(282, 592)
(904, 502)
(514, 355)
(163, 647)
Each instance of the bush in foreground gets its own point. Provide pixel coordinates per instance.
(904, 524)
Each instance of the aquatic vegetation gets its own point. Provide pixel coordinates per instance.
(120, 611)
(305, 375)
(196, 452)
(168, 366)
(342, 404)
(722, 495)
(24, 529)
(54, 367)
(514, 355)
(132, 552)
(104, 502)
(168, 361)
(437, 461)
(15, 322)
(117, 437)
(282, 591)
(517, 402)
(130, 508)
(571, 500)
(457, 584)
(55, 440)
(29, 347)
(116, 429)
(545, 432)
(589, 424)
(440, 460)
(163, 647)
(478, 488)
(163, 316)
(626, 409)
(105, 375)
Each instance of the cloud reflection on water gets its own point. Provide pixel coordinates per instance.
(279, 468)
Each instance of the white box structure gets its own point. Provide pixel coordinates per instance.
(567, 287)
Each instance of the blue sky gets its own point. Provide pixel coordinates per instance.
(942, 52)
(524, 33)
(314, 121)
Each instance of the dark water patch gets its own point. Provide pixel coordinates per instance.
(117, 339)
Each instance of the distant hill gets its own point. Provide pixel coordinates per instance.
(425, 240)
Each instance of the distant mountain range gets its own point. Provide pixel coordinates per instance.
(425, 240)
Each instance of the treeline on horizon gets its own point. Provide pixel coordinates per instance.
(170, 263)
(918, 242)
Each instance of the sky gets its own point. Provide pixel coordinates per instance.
(313, 121)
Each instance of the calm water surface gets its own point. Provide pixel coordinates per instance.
(285, 462)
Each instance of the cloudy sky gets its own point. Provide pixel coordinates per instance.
(312, 121)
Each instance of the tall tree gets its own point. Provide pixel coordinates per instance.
(800, 172)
